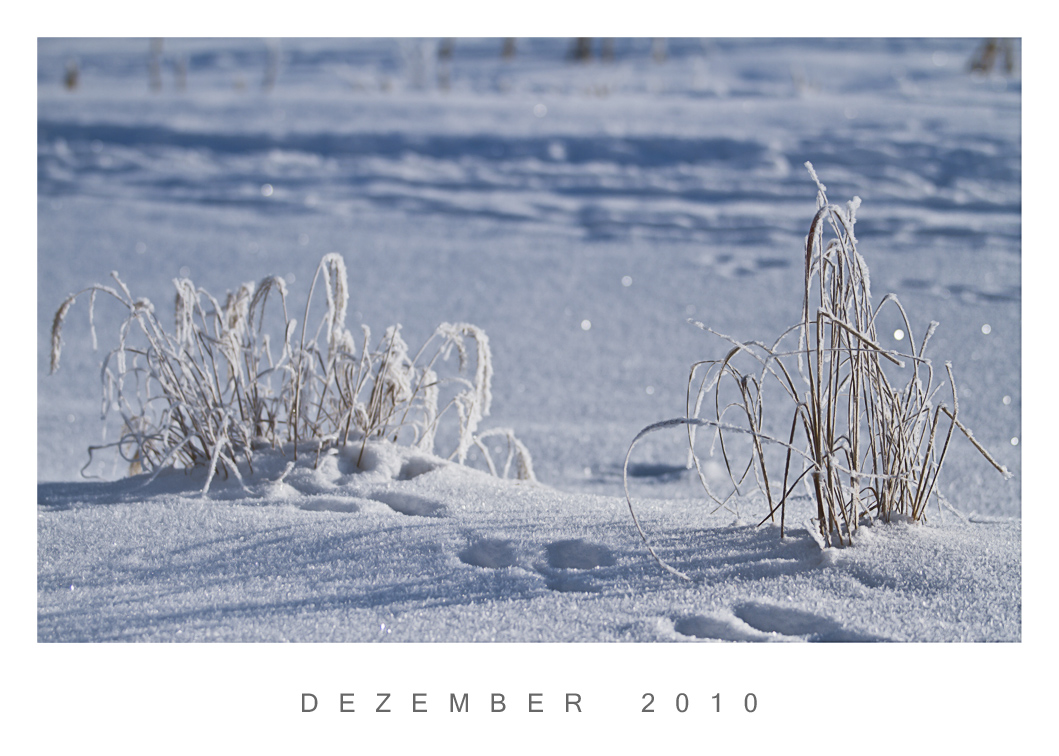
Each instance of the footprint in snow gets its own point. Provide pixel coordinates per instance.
(798, 623)
(494, 553)
(698, 626)
(577, 554)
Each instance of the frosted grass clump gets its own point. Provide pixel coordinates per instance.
(863, 429)
(219, 389)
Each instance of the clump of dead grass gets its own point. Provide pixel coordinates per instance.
(863, 428)
(219, 387)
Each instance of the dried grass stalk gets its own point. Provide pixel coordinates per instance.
(212, 393)
(860, 426)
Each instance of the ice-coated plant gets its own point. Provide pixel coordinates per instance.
(863, 429)
(218, 388)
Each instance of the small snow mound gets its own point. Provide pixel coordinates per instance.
(417, 464)
(331, 504)
(411, 504)
(280, 490)
(380, 459)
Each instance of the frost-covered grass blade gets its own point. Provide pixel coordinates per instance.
(863, 429)
(218, 388)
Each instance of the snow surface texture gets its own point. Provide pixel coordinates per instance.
(579, 214)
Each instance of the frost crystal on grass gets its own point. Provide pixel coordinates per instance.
(213, 393)
(474, 403)
(859, 427)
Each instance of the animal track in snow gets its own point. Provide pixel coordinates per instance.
(967, 292)
(733, 266)
(797, 623)
(698, 626)
(578, 554)
(575, 554)
(494, 553)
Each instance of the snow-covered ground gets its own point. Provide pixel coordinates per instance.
(580, 213)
